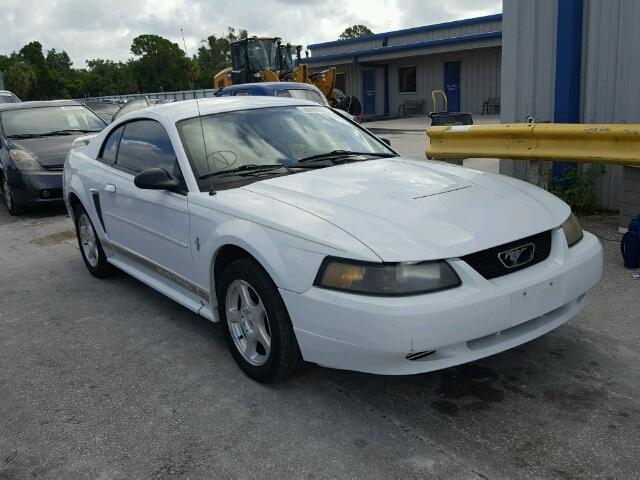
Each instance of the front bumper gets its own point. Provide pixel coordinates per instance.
(479, 318)
(28, 187)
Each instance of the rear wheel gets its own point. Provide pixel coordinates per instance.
(257, 326)
(90, 247)
(9, 201)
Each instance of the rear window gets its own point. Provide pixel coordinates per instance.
(131, 106)
(302, 95)
(45, 120)
(110, 148)
(6, 97)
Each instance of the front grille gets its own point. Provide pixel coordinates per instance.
(54, 168)
(488, 264)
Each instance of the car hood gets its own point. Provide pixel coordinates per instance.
(48, 151)
(412, 210)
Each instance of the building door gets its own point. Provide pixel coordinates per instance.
(368, 92)
(341, 82)
(452, 85)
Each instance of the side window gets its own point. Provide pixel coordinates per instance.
(145, 144)
(110, 147)
(243, 93)
(303, 94)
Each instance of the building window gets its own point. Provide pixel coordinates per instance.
(407, 79)
(341, 82)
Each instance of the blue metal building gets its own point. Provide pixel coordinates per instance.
(388, 69)
(574, 61)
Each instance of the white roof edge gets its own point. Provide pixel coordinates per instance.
(206, 106)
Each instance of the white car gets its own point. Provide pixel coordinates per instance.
(8, 97)
(312, 240)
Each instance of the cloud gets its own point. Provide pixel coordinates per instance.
(89, 29)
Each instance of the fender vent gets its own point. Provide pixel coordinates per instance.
(96, 203)
(413, 356)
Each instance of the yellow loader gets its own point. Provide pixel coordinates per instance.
(267, 59)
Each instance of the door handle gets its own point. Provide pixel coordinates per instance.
(111, 188)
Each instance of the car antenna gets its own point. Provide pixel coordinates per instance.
(195, 96)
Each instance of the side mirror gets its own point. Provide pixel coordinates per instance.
(156, 179)
(386, 140)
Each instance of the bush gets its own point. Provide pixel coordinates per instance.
(577, 189)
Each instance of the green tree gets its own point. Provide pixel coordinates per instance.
(58, 61)
(161, 66)
(20, 78)
(355, 31)
(5, 62)
(105, 77)
(32, 53)
(58, 75)
(215, 55)
(37, 74)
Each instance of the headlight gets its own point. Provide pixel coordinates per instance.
(572, 230)
(23, 161)
(386, 279)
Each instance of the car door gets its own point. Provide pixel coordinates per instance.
(149, 228)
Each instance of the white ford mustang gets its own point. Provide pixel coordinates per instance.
(312, 240)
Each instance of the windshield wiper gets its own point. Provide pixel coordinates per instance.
(25, 135)
(345, 153)
(254, 169)
(242, 169)
(69, 131)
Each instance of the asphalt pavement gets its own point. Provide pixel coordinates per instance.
(108, 379)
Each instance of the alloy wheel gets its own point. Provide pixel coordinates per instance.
(88, 240)
(248, 322)
(6, 189)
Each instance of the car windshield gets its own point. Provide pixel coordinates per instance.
(262, 54)
(6, 97)
(49, 120)
(302, 94)
(270, 136)
(105, 111)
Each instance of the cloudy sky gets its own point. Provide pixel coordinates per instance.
(104, 28)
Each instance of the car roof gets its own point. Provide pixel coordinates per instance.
(182, 110)
(270, 87)
(177, 111)
(37, 104)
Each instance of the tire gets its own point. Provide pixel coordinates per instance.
(7, 196)
(90, 248)
(256, 314)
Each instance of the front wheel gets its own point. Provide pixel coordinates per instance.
(257, 326)
(9, 201)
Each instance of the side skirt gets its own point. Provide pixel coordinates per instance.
(149, 275)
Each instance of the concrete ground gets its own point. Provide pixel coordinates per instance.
(408, 136)
(108, 379)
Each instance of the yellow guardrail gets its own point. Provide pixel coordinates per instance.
(590, 143)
